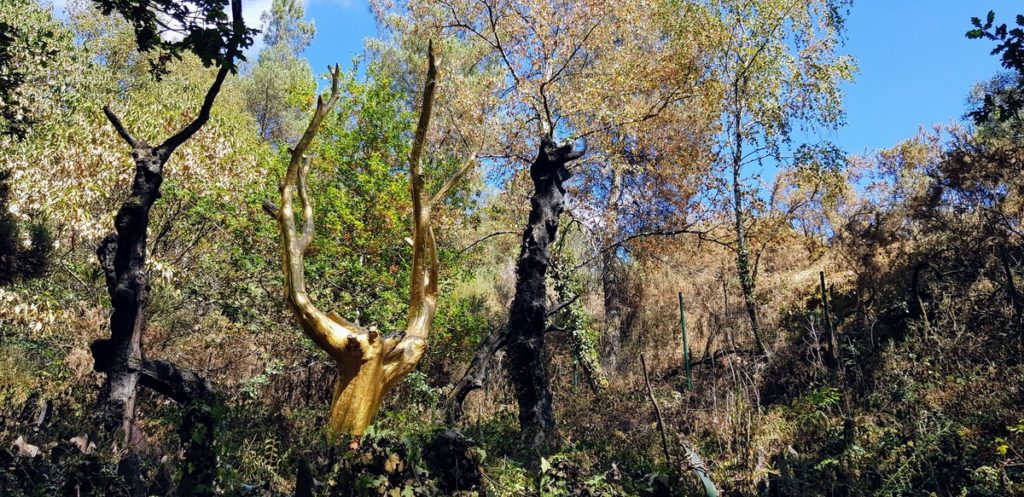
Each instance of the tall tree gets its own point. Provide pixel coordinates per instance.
(1006, 102)
(568, 70)
(778, 65)
(280, 85)
(217, 38)
(369, 365)
(29, 47)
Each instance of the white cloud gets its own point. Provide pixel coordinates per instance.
(251, 12)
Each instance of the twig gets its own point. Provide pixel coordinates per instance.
(492, 235)
(657, 412)
(558, 308)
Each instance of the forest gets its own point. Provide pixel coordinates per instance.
(555, 248)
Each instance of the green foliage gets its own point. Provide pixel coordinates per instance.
(30, 45)
(561, 477)
(358, 260)
(18, 261)
(574, 319)
(280, 86)
(202, 27)
(283, 25)
(1005, 104)
(253, 387)
(381, 465)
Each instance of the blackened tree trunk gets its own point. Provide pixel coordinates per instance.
(528, 313)
(476, 374)
(122, 256)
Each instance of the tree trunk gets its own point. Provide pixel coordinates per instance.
(476, 374)
(528, 313)
(747, 283)
(611, 283)
(123, 258)
(358, 392)
(369, 365)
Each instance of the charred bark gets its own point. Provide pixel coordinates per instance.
(122, 256)
(476, 375)
(528, 313)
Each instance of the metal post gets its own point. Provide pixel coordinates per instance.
(833, 345)
(686, 347)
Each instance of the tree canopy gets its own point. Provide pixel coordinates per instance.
(514, 247)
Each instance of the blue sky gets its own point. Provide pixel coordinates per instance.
(341, 27)
(916, 67)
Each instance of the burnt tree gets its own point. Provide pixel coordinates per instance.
(122, 255)
(523, 337)
(528, 313)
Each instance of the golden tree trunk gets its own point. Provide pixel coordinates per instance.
(358, 392)
(368, 365)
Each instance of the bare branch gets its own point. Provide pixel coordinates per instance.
(492, 235)
(420, 136)
(497, 42)
(558, 308)
(702, 235)
(329, 332)
(271, 209)
(674, 96)
(423, 285)
(238, 35)
(476, 374)
(657, 411)
(443, 191)
(121, 130)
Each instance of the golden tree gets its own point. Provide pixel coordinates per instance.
(369, 365)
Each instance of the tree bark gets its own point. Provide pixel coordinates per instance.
(528, 312)
(476, 374)
(611, 283)
(122, 256)
(747, 283)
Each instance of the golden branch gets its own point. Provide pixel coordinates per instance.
(330, 332)
(463, 171)
(407, 350)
